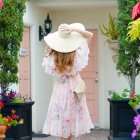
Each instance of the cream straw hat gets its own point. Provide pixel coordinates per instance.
(65, 42)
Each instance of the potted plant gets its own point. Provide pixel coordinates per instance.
(128, 66)
(121, 115)
(112, 33)
(11, 33)
(23, 106)
(8, 121)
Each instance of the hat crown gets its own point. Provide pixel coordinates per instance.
(64, 34)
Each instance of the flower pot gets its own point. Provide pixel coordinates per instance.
(24, 131)
(113, 45)
(121, 120)
(2, 132)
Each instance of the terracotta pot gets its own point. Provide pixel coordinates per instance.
(2, 132)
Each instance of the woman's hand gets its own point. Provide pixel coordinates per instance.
(65, 27)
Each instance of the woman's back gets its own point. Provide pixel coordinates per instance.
(67, 114)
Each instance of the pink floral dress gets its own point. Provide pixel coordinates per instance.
(66, 115)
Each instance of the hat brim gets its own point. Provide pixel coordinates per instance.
(67, 44)
(64, 45)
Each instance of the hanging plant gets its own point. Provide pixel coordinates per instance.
(111, 31)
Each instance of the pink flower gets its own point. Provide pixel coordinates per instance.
(15, 117)
(13, 111)
(1, 105)
(136, 11)
(67, 121)
(1, 4)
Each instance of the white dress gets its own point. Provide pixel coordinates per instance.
(67, 116)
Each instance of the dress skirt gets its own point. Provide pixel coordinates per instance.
(66, 115)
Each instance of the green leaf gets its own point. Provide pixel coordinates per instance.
(111, 30)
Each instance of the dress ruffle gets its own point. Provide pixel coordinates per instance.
(48, 65)
(81, 58)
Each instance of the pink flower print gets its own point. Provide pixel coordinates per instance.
(67, 121)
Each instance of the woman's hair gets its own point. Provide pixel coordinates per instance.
(63, 61)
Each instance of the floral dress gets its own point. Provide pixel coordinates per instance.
(66, 115)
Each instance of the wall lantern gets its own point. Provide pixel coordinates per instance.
(47, 28)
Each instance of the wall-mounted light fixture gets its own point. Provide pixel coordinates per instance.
(47, 28)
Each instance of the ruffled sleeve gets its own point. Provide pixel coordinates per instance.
(48, 63)
(81, 57)
(80, 62)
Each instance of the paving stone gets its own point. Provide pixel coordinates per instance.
(94, 135)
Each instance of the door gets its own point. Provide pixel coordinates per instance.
(24, 64)
(90, 75)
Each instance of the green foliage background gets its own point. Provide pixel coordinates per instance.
(11, 32)
(129, 53)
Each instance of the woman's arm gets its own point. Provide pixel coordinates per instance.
(85, 33)
(67, 28)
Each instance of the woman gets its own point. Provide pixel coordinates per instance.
(66, 56)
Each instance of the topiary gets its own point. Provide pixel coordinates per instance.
(11, 32)
(129, 52)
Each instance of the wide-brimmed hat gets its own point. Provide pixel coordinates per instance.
(65, 42)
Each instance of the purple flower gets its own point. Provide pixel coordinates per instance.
(8, 96)
(134, 133)
(137, 126)
(137, 120)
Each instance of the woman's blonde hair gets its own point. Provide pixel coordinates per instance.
(63, 61)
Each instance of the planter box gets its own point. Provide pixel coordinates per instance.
(121, 120)
(24, 131)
